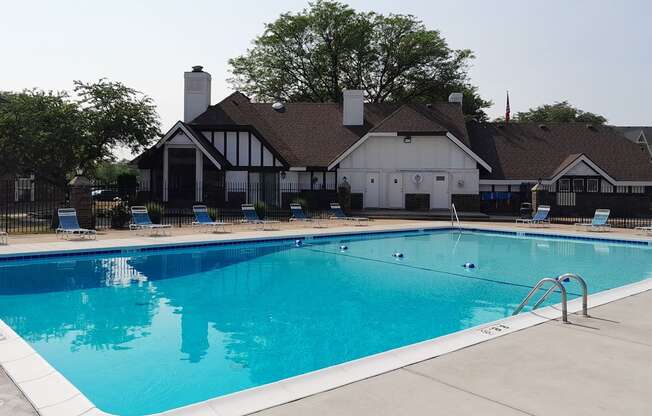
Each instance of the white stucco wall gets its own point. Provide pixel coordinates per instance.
(429, 156)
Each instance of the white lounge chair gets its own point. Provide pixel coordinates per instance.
(3, 237)
(140, 221)
(646, 230)
(337, 213)
(205, 222)
(541, 217)
(69, 225)
(251, 217)
(598, 223)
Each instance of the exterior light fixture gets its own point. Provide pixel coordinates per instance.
(407, 139)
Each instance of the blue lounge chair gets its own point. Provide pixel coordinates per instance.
(250, 217)
(3, 237)
(205, 222)
(338, 214)
(598, 223)
(140, 221)
(299, 216)
(541, 217)
(69, 225)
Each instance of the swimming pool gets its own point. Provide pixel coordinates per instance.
(140, 332)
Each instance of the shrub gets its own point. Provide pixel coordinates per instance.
(156, 212)
(119, 216)
(214, 213)
(261, 209)
(301, 201)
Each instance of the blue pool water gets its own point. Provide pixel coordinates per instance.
(151, 331)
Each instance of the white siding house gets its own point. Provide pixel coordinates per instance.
(386, 168)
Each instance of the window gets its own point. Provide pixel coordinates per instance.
(638, 189)
(564, 185)
(440, 178)
(621, 189)
(578, 185)
(592, 185)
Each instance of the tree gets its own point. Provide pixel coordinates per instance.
(315, 54)
(561, 112)
(51, 135)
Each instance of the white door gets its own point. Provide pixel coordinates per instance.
(440, 191)
(395, 190)
(371, 191)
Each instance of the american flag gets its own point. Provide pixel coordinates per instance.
(507, 110)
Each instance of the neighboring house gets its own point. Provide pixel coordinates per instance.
(582, 166)
(641, 135)
(410, 156)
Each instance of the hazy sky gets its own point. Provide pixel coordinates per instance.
(596, 54)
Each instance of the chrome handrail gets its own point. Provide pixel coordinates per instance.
(454, 212)
(585, 291)
(562, 289)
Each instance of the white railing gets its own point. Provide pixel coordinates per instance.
(455, 218)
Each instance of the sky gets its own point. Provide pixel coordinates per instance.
(594, 53)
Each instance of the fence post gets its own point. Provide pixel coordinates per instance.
(82, 201)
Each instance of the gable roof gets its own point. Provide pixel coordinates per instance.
(529, 151)
(312, 134)
(200, 141)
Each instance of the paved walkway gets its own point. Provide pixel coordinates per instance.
(12, 401)
(595, 366)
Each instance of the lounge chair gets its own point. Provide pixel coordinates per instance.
(3, 237)
(205, 222)
(140, 221)
(251, 217)
(338, 214)
(541, 217)
(598, 223)
(646, 230)
(69, 225)
(299, 216)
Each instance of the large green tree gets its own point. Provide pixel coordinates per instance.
(51, 135)
(314, 54)
(559, 112)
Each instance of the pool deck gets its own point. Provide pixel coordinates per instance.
(600, 365)
(597, 365)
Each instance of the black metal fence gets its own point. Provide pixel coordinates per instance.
(111, 202)
(614, 222)
(29, 206)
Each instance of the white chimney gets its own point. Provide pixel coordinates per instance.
(456, 97)
(196, 92)
(353, 112)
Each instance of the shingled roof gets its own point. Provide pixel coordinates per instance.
(528, 151)
(312, 134)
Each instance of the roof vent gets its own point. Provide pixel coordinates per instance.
(278, 106)
(197, 68)
(590, 126)
(428, 105)
(543, 127)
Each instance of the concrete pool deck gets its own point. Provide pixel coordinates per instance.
(403, 384)
(600, 365)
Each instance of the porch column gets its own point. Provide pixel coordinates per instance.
(165, 173)
(199, 175)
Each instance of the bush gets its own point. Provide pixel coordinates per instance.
(214, 213)
(261, 209)
(301, 201)
(119, 216)
(156, 212)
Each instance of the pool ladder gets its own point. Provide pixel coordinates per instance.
(455, 218)
(557, 283)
